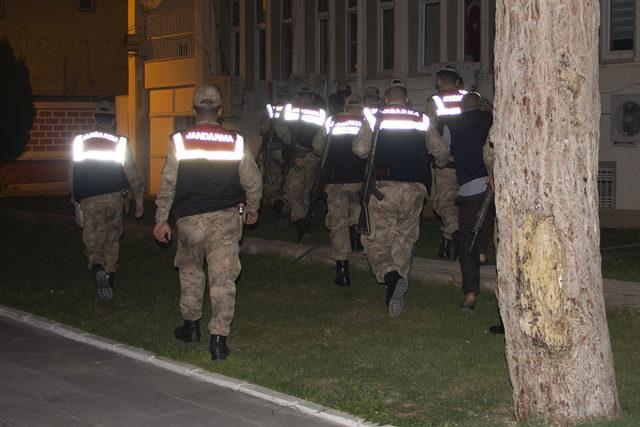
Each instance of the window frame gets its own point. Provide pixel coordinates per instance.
(319, 17)
(235, 36)
(422, 29)
(261, 54)
(79, 8)
(605, 34)
(349, 10)
(285, 74)
(384, 5)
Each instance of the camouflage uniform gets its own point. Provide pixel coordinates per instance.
(343, 207)
(395, 220)
(445, 188)
(103, 219)
(299, 181)
(271, 191)
(214, 237)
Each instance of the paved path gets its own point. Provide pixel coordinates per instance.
(49, 380)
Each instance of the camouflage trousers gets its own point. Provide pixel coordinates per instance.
(212, 237)
(103, 224)
(343, 209)
(395, 227)
(444, 200)
(299, 182)
(271, 192)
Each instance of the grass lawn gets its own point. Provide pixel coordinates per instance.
(297, 333)
(620, 264)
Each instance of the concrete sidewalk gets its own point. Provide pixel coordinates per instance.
(49, 380)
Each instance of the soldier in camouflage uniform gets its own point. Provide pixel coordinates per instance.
(344, 172)
(272, 191)
(211, 182)
(101, 174)
(405, 141)
(297, 126)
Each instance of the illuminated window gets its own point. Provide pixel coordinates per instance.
(386, 35)
(352, 36)
(430, 29)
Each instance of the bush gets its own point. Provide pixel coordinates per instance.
(17, 111)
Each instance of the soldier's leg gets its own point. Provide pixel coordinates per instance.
(444, 203)
(407, 229)
(337, 221)
(94, 231)
(273, 191)
(114, 224)
(354, 216)
(376, 244)
(192, 234)
(223, 262)
(294, 191)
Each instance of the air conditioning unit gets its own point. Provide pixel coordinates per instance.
(625, 119)
(231, 88)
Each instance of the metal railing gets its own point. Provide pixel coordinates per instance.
(170, 35)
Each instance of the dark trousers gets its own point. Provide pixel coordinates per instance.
(468, 208)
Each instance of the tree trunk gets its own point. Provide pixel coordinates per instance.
(546, 134)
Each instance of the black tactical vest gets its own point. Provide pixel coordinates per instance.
(304, 124)
(208, 170)
(344, 167)
(98, 165)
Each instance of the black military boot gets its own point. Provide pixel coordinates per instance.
(101, 277)
(354, 237)
(304, 234)
(189, 332)
(396, 288)
(445, 248)
(342, 274)
(218, 348)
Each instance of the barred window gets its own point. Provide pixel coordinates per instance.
(171, 34)
(607, 185)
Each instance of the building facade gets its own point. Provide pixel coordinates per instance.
(75, 53)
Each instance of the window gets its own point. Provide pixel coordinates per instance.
(261, 31)
(261, 11)
(385, 38)
(430, 32)
(322, 37)
(235, 37)
(170, 34)
(352, 36)
(470, 30)
(607, 185)
(86, 5)
(286, 40)
(621, 25)
(1, 9)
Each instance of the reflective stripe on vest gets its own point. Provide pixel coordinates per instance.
(449, 104)
(99, 145)
(344, 125)
(208, 144)
(398, 118)
(307, 115)
(274, 111)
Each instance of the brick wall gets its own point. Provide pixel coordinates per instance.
(56, 125)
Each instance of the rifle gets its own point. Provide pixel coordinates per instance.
(482, 215)
(268, 152)
(369, 182)
(319, 183)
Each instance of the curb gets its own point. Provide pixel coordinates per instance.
(304, 406)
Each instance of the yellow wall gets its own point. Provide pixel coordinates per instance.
(70, 52)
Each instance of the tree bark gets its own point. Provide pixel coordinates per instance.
(546, 135)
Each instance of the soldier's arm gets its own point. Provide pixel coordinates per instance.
(167, 189)
(430, 111)
(251, 181)
(486, 105)
(133, 176)
(489, 155)
(283, 130)
(362, 143)
(319, 141)
(437, 147)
